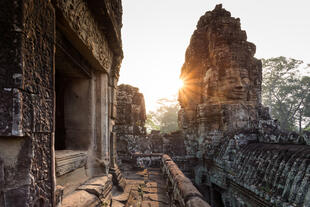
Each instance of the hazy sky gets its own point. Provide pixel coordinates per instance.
(156, 34)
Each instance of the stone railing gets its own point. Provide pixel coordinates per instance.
(181, 190)
(147, 160)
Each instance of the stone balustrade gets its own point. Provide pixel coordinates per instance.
(181, 190)
(147, 160)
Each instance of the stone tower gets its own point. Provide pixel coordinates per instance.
(243, 157)
(222, 79)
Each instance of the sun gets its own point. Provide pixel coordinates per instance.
(180, 83)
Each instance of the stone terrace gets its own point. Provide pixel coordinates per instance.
(145, 187)
(159, 183)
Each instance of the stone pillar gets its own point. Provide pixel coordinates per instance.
(101, 145)
(118, 178)
(112, 115)
(27, 54)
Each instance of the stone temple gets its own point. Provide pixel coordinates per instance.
(69, 136)
(244, 158)
(60, 63)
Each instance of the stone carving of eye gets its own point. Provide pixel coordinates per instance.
(246, 81)
(232, 80)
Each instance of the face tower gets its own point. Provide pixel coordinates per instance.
(222, 90)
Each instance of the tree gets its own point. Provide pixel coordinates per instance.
(285, 90)
(151, 122)
(166, 116)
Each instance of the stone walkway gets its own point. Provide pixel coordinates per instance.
(145, 188)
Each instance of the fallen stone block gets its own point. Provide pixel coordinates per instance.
(80, 198)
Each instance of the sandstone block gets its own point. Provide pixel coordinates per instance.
(80, 198)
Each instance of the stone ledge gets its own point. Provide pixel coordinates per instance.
(99, 186)
(72, 180)
(69, 160)
(117, 177)
(94, 192)
(80, 198)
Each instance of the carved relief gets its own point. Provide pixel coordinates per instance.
(226, 126)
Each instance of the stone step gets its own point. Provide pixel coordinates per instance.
(116, 203)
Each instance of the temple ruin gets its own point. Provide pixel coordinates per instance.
(69, 136)
(58, 77)
(244, 158)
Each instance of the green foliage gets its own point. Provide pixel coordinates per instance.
(151, 122)
(165, 118)
(285, 90)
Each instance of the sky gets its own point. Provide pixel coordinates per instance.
(156, 34)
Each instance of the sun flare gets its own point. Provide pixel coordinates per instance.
(180, 83)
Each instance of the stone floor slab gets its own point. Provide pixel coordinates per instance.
(146, 187)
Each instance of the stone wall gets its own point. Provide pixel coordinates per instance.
(129, 125)
(98, 45)
(131, 134)
(244, 158)
(171, 144)
(27, 91)
(26, 103)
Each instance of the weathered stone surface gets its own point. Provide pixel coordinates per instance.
(35, 76)
(156, 197)
(69, 160)
(143, 189)
(153, 204)
(219, 73)
(94, 192)
(27, 102)
(130, 106)
(244, 159)
(133, 144)
(79, 19)
(167, 143)
(196, 201)
(101, 186)
(123, 197)
(118, 178)
(182, 189)
(116, 203)
(58, 195)
(100, 180)
(27, 88)
(80, 198)
(275, 172)
(129, 125)
(219, 64)
(72, 180)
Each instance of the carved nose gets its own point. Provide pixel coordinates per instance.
(239, 85)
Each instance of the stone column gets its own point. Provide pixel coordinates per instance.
(112, 116)
(114, 170)
(101, 144)
(27, 54)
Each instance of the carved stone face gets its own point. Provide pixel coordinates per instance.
(234, 85)
(210, 84)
